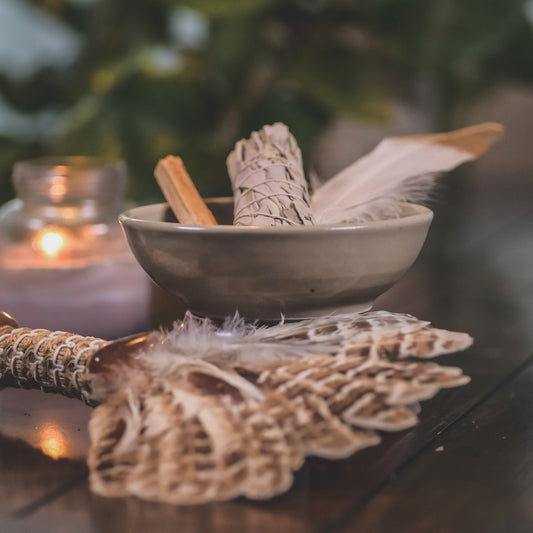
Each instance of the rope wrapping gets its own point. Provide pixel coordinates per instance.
(53, 361)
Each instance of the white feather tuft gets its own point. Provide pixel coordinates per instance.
(238, 343)
(419, 190)
(234, 342)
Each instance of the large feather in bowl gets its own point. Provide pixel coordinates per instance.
(398, 169)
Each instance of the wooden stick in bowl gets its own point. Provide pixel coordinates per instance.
(181, 194)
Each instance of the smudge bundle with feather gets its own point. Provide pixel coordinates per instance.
(220, 412)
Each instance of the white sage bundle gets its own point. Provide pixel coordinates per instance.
(268, 181)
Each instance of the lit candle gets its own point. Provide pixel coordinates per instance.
(107, 296)
(64, 262)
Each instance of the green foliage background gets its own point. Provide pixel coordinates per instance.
(141, 89)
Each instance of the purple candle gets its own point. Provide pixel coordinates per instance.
(64, 262)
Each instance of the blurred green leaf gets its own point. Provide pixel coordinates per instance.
(342, 82)
(227, 8)
(139, 89)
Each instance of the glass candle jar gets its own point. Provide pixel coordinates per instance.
(64, 261)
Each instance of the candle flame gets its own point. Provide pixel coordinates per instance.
(51, 241)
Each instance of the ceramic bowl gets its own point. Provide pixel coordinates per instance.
(264, 273)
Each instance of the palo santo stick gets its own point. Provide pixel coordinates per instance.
(180, 192)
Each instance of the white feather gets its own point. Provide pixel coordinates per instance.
(398, 169)
(238, 343)
(232, 343)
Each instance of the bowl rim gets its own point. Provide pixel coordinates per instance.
(421, 215)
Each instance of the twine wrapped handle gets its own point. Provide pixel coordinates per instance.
(57, 361)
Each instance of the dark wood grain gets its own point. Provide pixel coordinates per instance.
(476, 477)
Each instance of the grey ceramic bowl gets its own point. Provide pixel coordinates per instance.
(268, 272)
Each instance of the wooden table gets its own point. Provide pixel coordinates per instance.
(467, 467)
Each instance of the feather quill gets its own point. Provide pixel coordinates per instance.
(399, 169)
